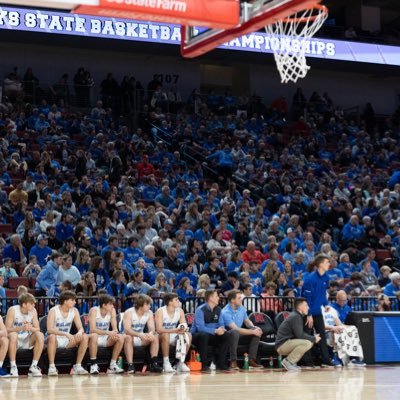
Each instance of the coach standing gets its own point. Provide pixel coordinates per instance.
(314, 290)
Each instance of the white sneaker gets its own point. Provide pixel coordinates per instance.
(78, 370)
(35, 371)
(182, 367)
(94, 369)
(52, 371)
(167, 367)
(14, 372)
(114, 369)
(213, 367)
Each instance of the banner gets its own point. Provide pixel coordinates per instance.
(215, 13)
(152, 32)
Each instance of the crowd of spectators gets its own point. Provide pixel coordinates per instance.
(226, 193)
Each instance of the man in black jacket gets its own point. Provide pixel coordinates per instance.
(291, 340)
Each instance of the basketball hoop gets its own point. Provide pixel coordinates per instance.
(289, 39)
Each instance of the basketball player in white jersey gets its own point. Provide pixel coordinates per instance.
(59, 324)
(136, 319)
(100, 319)
(24, 333)
(3, 348)
(171, 322)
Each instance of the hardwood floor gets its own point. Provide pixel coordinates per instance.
(381, 382)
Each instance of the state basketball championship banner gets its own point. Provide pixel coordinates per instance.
(63, 23)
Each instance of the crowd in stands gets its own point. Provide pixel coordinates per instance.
(223, 194)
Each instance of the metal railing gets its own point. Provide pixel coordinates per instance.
(268, 305)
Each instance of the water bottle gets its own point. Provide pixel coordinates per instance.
(271, 362)
(246, 361)
(120, 362)
(198, 357)
(279, 361)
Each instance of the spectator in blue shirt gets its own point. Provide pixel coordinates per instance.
(187, 273)
(346, 266)
(15, 250)
(341, 305)
(64, 228)
(41, 250)
(393, 288)
(353, 231)
(241, 329)
(314, 290)
(132, 253)
(208, 329)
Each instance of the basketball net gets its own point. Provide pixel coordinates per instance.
(289, 38)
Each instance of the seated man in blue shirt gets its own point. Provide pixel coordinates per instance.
(208, 329)
(235, 317)
(393, 288)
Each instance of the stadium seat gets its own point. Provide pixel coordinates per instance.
(265, 323)
(13, 283)
(6, 228)
(280, 318)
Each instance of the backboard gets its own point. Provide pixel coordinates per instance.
(254, 15)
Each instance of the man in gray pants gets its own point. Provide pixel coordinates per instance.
(291, 340)
(240, 329)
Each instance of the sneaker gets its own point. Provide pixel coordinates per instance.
(114, 369)
(336, 362)
(167, 367)
(213, 367)
(14, 372)
(131, 369)
(182, 367)
(78, 370)
(357, 363)
(328, 365)
(289, 366)
(155, 367)
(35, 371)
(94, 369)
(4, 373)
(52, 371)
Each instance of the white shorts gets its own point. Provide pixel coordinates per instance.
(172, 338)
(102, 340)
(62, 342)
(24, 341)
(137, 342)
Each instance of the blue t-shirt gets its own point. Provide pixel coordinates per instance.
(237, 317)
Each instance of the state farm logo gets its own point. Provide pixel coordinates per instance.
(169, 5)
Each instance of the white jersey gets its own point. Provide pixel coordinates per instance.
(102, 323)
(64, 324)
(168, 322)
(20, 319)
(138, 324)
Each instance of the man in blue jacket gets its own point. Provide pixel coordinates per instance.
(393, 288)
(47, 279)
(208, 329)
(314, 290)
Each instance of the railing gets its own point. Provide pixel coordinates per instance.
(268, 305)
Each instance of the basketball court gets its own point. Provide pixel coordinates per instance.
(378, 382)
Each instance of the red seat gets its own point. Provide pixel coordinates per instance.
(382, 255)
(33, 283)
(11, 293)
(13, 283)
(6, 228)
